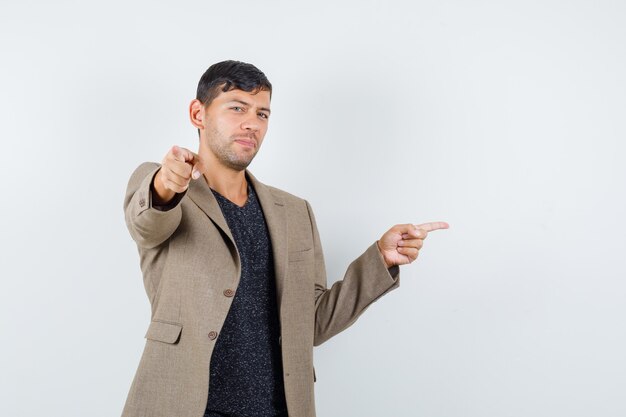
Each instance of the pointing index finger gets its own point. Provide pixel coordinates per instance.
(429, 227)
(182, 154)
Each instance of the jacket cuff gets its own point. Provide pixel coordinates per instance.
(148, 226)
(146, 200)
(171, 204)
(389, 277)
(393, 272)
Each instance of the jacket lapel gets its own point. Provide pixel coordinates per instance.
(276, 219)
(202, 195)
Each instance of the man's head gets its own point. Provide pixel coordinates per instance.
(231, 112)
(230, 75)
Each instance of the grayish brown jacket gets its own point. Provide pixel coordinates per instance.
(191, 268)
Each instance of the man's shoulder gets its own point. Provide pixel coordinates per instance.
(140, 173)
(297, 208)
(286, 196)
(144, 169)
(282, 196)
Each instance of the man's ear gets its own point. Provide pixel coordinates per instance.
(196, 113)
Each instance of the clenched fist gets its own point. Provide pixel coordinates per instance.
(179, 166)
(401, 244)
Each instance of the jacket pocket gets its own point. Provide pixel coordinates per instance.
(164, 332)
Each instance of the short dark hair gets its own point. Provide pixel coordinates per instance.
(231, 75)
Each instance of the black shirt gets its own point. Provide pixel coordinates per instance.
(246, 376)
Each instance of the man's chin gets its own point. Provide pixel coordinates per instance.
(239, 165)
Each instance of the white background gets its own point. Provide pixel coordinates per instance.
(504, 118)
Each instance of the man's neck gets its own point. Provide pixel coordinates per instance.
(230, 183)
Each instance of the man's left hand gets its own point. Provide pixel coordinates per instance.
(401, 244)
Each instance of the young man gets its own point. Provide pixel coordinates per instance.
(234, 269)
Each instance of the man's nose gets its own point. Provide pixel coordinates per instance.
(251, 123)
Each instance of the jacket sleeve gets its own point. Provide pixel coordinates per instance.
(148, 226)
(365, 281)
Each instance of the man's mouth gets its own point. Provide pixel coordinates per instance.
(247, 142)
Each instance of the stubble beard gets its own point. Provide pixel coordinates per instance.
(222, 148)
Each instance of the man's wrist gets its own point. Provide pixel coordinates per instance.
(161, 196)
(387, 265)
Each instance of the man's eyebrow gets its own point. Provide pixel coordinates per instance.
(248, 104)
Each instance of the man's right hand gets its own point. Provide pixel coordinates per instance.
(179, 166)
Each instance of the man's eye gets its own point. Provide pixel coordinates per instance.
(263, 115)
(237, 108)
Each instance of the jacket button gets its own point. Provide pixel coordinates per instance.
(142, 202)
(229, 292)
(212, 335)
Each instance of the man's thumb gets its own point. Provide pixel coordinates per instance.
(196, 171)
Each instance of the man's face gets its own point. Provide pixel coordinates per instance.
(235, 124)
